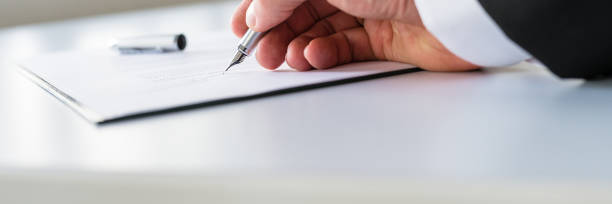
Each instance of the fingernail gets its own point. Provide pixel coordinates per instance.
(251, 20)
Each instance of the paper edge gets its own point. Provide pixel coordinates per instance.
(72, 103)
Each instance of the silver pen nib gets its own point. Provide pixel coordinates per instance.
(238, 58)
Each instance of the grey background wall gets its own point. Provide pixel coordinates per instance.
(15, 12)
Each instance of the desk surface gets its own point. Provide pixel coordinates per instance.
(499, 127)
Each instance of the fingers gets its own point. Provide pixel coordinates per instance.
(273, 47)
(335, 40)
(376, 9)
(343, 47)
(310, 13)
(262, 15)
(327, 26)
(238, 23)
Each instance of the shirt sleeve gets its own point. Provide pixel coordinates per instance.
(467, 30)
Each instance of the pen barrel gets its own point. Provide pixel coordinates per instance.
(248, 43)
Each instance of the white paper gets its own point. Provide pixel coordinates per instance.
(110, 85)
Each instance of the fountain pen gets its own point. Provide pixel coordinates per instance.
(245, 46)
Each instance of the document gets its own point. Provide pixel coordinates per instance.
(104, 86)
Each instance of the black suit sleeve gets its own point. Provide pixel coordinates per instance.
(572, 38)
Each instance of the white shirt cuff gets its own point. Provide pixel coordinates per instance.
(467, 30)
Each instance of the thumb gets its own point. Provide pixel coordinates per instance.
(376, 9)
(262, 15)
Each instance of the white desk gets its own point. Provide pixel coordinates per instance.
(511, 134)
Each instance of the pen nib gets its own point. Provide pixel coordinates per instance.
(237, 60)
(228, 67)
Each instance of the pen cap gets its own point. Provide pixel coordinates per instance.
(152, 43)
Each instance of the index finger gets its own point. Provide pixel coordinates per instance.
(239, 26)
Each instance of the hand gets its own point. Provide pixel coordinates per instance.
(325, 33)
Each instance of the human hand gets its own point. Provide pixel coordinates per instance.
(325, 33)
